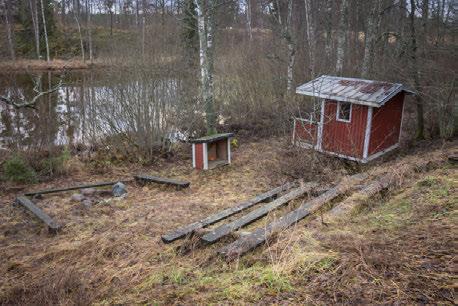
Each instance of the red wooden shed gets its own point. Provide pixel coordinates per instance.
(359, 119)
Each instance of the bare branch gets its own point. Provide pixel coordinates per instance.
(30, 103)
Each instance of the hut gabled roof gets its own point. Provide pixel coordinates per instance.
(358, 91)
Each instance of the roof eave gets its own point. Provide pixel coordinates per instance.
(337, 98)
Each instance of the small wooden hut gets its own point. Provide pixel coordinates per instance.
(358, 120)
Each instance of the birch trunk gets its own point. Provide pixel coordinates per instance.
(291, 48)
(414, 71)
(89, 30)
(328, 45)
(310, 32)
(45, 31)
(205, 29)
(373, 24)
(248, 19)
(75, 15)
(9, 32)
(36, 27)
(341, 37)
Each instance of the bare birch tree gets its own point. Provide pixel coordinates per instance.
(341, 37)
(310, 33)
(205, 28)
(78, 25)
(414, 71)
(9, 31)
(373, 24)
(45, 31)
(249, 19)
(36, 25)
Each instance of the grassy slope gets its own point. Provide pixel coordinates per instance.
(397, 248)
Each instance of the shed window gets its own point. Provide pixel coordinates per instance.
(343, 111)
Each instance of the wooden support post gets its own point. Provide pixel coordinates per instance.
(260, 235)
(190, 228)
(53, 227)
(225, 229)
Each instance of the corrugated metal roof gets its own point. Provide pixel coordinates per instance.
(358, 91)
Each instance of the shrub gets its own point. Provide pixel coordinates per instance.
(16, 169)
(55, 165)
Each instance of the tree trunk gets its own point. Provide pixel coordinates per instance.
(310, 32)
(248, 19)
(328, 43)
(291, 49)
(36, 25)
(414, 72)
(62, 12)
(76, 16)
(89, 30)
(205, 29)
(341, 37)
(9, 32)
(373, 23)
(48, 57)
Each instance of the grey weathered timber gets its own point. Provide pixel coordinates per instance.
(260, 235)
(53, 227)
(212, 138)
(161, 180)
(364, 193)
(73, 188)
(221, 215)
(225, 229)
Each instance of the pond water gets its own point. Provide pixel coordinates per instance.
(138, 108)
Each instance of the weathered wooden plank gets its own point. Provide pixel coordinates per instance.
(53, 227)
(46, 191)
(187, 229)
(225, 229)
(260, 235)
(162, 180)
(363, 194)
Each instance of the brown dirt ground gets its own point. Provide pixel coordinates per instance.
(112, 252)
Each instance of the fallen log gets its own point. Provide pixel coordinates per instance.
(260, 235)
(46, 191)
(53, 227)
(225, 229)
(190, 228)
(161, 180)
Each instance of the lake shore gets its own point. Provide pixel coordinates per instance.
(23, 65)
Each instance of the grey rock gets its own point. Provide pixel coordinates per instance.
(78, 197)
(88, 191)
(87, 203)
(119, 189)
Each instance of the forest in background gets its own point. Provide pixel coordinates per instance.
(258, 51)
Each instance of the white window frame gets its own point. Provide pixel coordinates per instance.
(338, 112)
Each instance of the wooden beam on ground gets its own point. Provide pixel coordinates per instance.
(225, 229)
(363, 194)
(221, 215)
(53, 227)
(260, 235)
(46, 191)
(161, 180)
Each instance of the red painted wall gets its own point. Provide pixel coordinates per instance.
(386, 124)
(199, 156)
(342, 137)
(305, 132)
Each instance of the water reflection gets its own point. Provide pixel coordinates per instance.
(138, 110)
